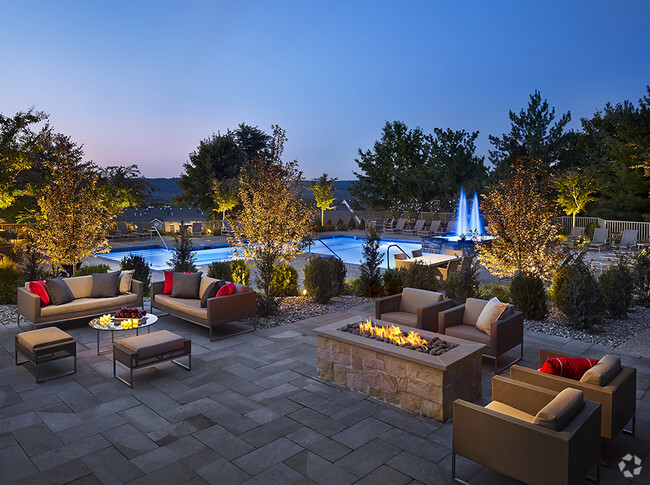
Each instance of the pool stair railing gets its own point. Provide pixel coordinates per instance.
(154, 228)
(388, 253)
(329, 248)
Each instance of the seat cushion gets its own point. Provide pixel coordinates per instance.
(490, 314)
(412, 299)
(105, 285)
(473, 308)
(80, 286)
(189, 306)
(508, 410)
(557, 414)
(186, 285)
(153, 343)
(468, 332)
(43, 337)
(59, 291)
(603, 372)
(401, 318)
(89, 306)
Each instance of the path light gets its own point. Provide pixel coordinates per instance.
(304, 292)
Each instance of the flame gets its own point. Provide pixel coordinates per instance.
(393, 333)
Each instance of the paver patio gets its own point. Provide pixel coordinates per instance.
(252, 410)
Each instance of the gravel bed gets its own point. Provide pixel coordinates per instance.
(611, 332)
(8, 314)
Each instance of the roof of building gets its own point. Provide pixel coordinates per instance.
(163, 214)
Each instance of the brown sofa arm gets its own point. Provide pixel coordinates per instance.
(451, 317)
(29, 305)
(428, 315)
(387, 304)
(507, 333)
(157, 288)
(137, 287)
(231, 308)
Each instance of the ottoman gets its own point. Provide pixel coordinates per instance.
(150, 349)
(45, 345)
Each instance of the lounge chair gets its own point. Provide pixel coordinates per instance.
(226, 230)
(413, 307)
(388, 225)
(124, 231)
(452, 267)
(434, 228)
(628, 239)
(451, 226)
(399, 227)
(600, 239)
(419, 225)
(529, 433)
(577, 236)
(399, 257)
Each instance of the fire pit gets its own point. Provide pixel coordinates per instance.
(423, 374)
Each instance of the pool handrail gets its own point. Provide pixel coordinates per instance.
(388, 255)
(154, 228)
(329, 248)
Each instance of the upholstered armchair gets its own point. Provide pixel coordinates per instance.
(529, 433)
(413, 308)
(502, 334)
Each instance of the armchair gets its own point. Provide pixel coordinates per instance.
(505, 333)
(413, 307)
(504, 436)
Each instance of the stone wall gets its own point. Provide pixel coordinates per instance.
(414, 386)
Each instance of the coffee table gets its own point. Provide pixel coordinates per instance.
(146, 321)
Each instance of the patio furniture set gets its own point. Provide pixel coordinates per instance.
(401, 226)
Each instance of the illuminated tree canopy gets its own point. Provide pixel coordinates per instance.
(323, 190)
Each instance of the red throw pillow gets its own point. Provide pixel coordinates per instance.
(570, 367)
(39, 288)
(226, 290)
(169, 283)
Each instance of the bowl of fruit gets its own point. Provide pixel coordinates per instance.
(132, 314)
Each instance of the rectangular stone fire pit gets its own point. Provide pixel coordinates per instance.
(421, 383)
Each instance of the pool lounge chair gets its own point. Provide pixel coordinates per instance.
(600, 239)
(399, 227)
(434, 228)
(628, 239)
(419, 225)
(124, 231)
(451, 226)
(577, 236)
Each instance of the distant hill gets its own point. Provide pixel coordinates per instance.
(166, 188)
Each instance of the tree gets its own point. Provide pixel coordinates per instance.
(575, 191)
(323, 190)
(273, 223)
(533, 136)
(123, 187)
(224, 195)
(252, 141)
(73, 221)
(370, 278)
(182, 256)
(522, 220)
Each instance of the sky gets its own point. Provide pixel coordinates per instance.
(144, 81)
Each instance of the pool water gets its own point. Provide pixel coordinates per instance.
(349, 249)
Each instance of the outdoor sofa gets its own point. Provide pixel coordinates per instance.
(219, 311)
(82, 306)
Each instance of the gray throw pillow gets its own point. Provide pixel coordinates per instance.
(186, 285)
(105, 285)
(211, 292)
(59, 291)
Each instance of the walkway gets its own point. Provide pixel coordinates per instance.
(251, 411)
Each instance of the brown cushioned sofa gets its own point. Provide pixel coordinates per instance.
(413, 307)
(219, 311)
(29, 304)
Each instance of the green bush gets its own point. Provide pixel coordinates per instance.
(32, 263)
(10, 280)
(394, 281)
(641, 278)
(590, 228)
(353, 286)
(616, 285)
(529, 296)
(324, 278)
(352, 224)
(284, 281)
(463, 284)
(92, 268)
(220, 270)
(183, 257)
(577, 294)
(372, 259)
(241, 273)
(141, 270)
(362, 225)
(490, 290)
(422, 276)
(341, 226)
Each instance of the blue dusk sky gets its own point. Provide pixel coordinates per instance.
(143, 81)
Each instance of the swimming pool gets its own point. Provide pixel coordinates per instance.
(348, 248)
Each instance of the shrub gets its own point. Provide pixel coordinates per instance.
(182, 256)
(362, 225)
(616, 285)
(394, 281)
(318, 226)
(141, 270)
(491, 290)
(463, 284)
(324, 278)
(590, 228)
(353, 286)
(220, 270)
(372, 258)
(265, 304)
(10, 280)
(92, 268)
(529, 296)
(241, 273)
(576, 293)
(352, 224)
(329, 225)
(341, 226)
(284, 280)
(421, 276)
(31, 259)
(641, 278)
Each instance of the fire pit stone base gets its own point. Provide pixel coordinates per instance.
(422, 384)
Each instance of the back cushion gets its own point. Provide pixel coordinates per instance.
(570, 367)
(473, 309)
(205, 282)
(557, 414)
(412, 299)
(240, 288)
(603, 372)
(80, 286)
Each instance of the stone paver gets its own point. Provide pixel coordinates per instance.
(252, 410)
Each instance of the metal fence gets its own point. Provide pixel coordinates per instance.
(615, 227)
